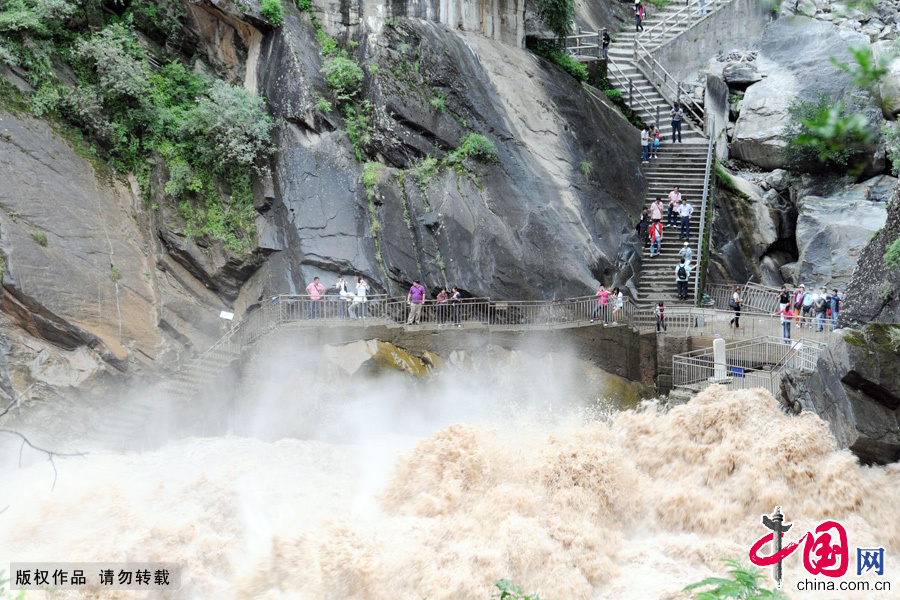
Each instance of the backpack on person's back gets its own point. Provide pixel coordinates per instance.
(682, 273)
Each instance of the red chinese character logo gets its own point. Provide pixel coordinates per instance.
(821, 557)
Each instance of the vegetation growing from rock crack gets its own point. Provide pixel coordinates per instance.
(556, 55)
(826, 135)
(273, 11)
(212, 137)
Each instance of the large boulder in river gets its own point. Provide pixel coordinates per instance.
(795, 57)
(833, 228)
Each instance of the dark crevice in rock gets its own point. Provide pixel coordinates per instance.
(871, 389)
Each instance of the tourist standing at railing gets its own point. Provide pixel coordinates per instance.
(660, 312)
(784, 298)
(639, 14)
(315, 291)
(455, 302)
(821, 307)
(674, 203)
(655, 141)
(416, 299)
(686, 253)
(656, 234)
(799, 294)
(602, 305)
(835, 301)
(677, 116)
(806, 310)
(345, 297)
(605, 39)
(645, 144)
(787, 315)
(358, 305)
(682, 274)
(736, 303)
(442, 299)
(685, 210)
(617, 308)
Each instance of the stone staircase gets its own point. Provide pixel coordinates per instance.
(683, 165)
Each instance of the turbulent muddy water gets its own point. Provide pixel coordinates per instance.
(631, 506)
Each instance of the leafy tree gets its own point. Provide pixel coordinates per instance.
(868, 74)
(557, 15)
(826, 135)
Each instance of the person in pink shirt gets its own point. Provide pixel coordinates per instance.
(787, 314)
(602, 305)
(416, 299)
(315, 291)
(656, 210)
(674, 199)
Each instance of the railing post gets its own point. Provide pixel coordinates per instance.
(631, 93)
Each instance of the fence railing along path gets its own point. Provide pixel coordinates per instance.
(759, 362)
(471, 313)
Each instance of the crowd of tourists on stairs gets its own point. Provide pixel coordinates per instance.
(650, 228)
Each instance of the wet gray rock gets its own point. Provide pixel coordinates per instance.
(833, 228)
(740, 75)
(528, 226)
(856, 390)
(795, 55)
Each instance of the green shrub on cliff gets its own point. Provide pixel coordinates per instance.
(892, 254)
(473, 145)
(272, 10)
(556, 55)
(744, 584)
(344, 77)
(557, 15)
(826, 135)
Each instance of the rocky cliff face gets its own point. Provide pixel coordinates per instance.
(103, 277)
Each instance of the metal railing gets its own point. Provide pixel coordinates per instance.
(707, 205)
(755, 363)
(690, 12)
(578, 45)
(667, 85)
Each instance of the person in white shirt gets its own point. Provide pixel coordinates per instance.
(686, 253)
(358, 308)
(645, 144)
(685, 210)
(674, 201)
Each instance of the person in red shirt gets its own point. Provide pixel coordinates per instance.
(656, 233)
(315, 291)
(602, 305)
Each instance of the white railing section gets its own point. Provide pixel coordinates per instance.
(584, 46)
(755, 363)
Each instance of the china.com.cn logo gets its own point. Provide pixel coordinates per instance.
(825, 550)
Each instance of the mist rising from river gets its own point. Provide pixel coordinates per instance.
(567, 501)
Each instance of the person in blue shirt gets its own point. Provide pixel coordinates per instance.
(834, 301)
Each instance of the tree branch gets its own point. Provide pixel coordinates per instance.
(51, 454)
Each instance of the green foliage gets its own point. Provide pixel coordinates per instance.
(2, 273)
(473, 145)
(3, 581)
(893, 334)
(743, 585)
(426, 169)
(327, 44)
(587, 169)
(892, 254)
(392, 23)
(360, 127)
(726, 182)
(373, 69)
(507, 590)
(660, 3)
(370, 177)
(343, 76)
(887, 290)
(439, 102)
(563, 59)
(614, 95)
(39, 236)
(114, 273)
(323, 105)
(273, 11)
(825, 135)
(868, 74)
(557, 15)
(304, 6)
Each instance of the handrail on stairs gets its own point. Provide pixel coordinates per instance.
(705, 205)
(643, 56)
